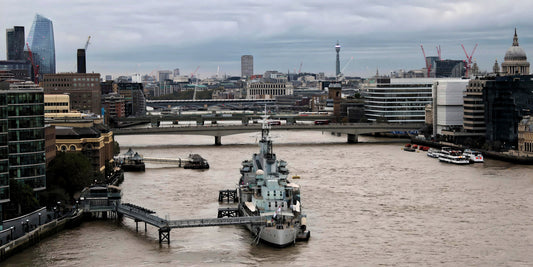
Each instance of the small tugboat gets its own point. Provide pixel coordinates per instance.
(409, 149)
(196, 162)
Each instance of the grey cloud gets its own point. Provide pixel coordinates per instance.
(141, 35)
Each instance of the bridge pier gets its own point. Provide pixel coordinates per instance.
(218, 140)
(164, 234)
(352, 138)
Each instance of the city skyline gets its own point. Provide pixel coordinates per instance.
(143, 38)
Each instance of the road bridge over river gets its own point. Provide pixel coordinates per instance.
(352, 130)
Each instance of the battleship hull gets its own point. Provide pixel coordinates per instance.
(278, 235)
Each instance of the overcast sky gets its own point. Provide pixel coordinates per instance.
(144, 36)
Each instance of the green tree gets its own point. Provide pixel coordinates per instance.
(22, 199)
(116, 148)
(69, 173)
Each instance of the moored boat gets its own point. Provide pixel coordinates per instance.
(409, 149)
(433, 153)
(454, 156)
(265, 190)
(473, 156)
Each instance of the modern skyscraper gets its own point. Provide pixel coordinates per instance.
(15, 43)
(247, 66)
(338, 62)
(41, 42)
(81, 61)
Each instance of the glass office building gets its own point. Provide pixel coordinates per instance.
(4, 154)
(25, 127)
(41, 42)
(15, 43)
(398, 100)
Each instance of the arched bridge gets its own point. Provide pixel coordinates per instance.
(352, 130)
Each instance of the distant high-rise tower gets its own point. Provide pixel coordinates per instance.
(41, 42)
(15, 43)
(247, 66)
(338, 62)
(81, 61)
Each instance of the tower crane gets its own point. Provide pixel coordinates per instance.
(346, 65)
(468, 58)
(35, 67)
(300, 69)
(196, 84)
(428, 66)
(438, 52)
(87, 43)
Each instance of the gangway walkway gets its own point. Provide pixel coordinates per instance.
(254, 220)
(140, 214)
(178, 161)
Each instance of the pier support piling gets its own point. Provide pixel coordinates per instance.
(218, 140)
(164, 234)
(352, 138)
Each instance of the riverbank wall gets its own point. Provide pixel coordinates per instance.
(38, 233)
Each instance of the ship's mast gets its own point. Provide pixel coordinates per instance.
(266, 140)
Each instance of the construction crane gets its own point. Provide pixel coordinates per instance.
(35, 67)
(196, 84)
(300, 69)
(346, 65)
(87, 43)
(468, 59)
(438, 52)
(428, 65)
(194, 73)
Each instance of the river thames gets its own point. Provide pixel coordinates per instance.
(367, 204)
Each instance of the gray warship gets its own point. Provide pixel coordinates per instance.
(265, 190)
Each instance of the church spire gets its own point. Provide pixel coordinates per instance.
(515, 38)
(496, 67)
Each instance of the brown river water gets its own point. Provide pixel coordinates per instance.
(368, 204)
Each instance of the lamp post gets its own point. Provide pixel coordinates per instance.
(11, 229)
(39, 218)
(55, 212)
(27, 225)
(22, 227)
